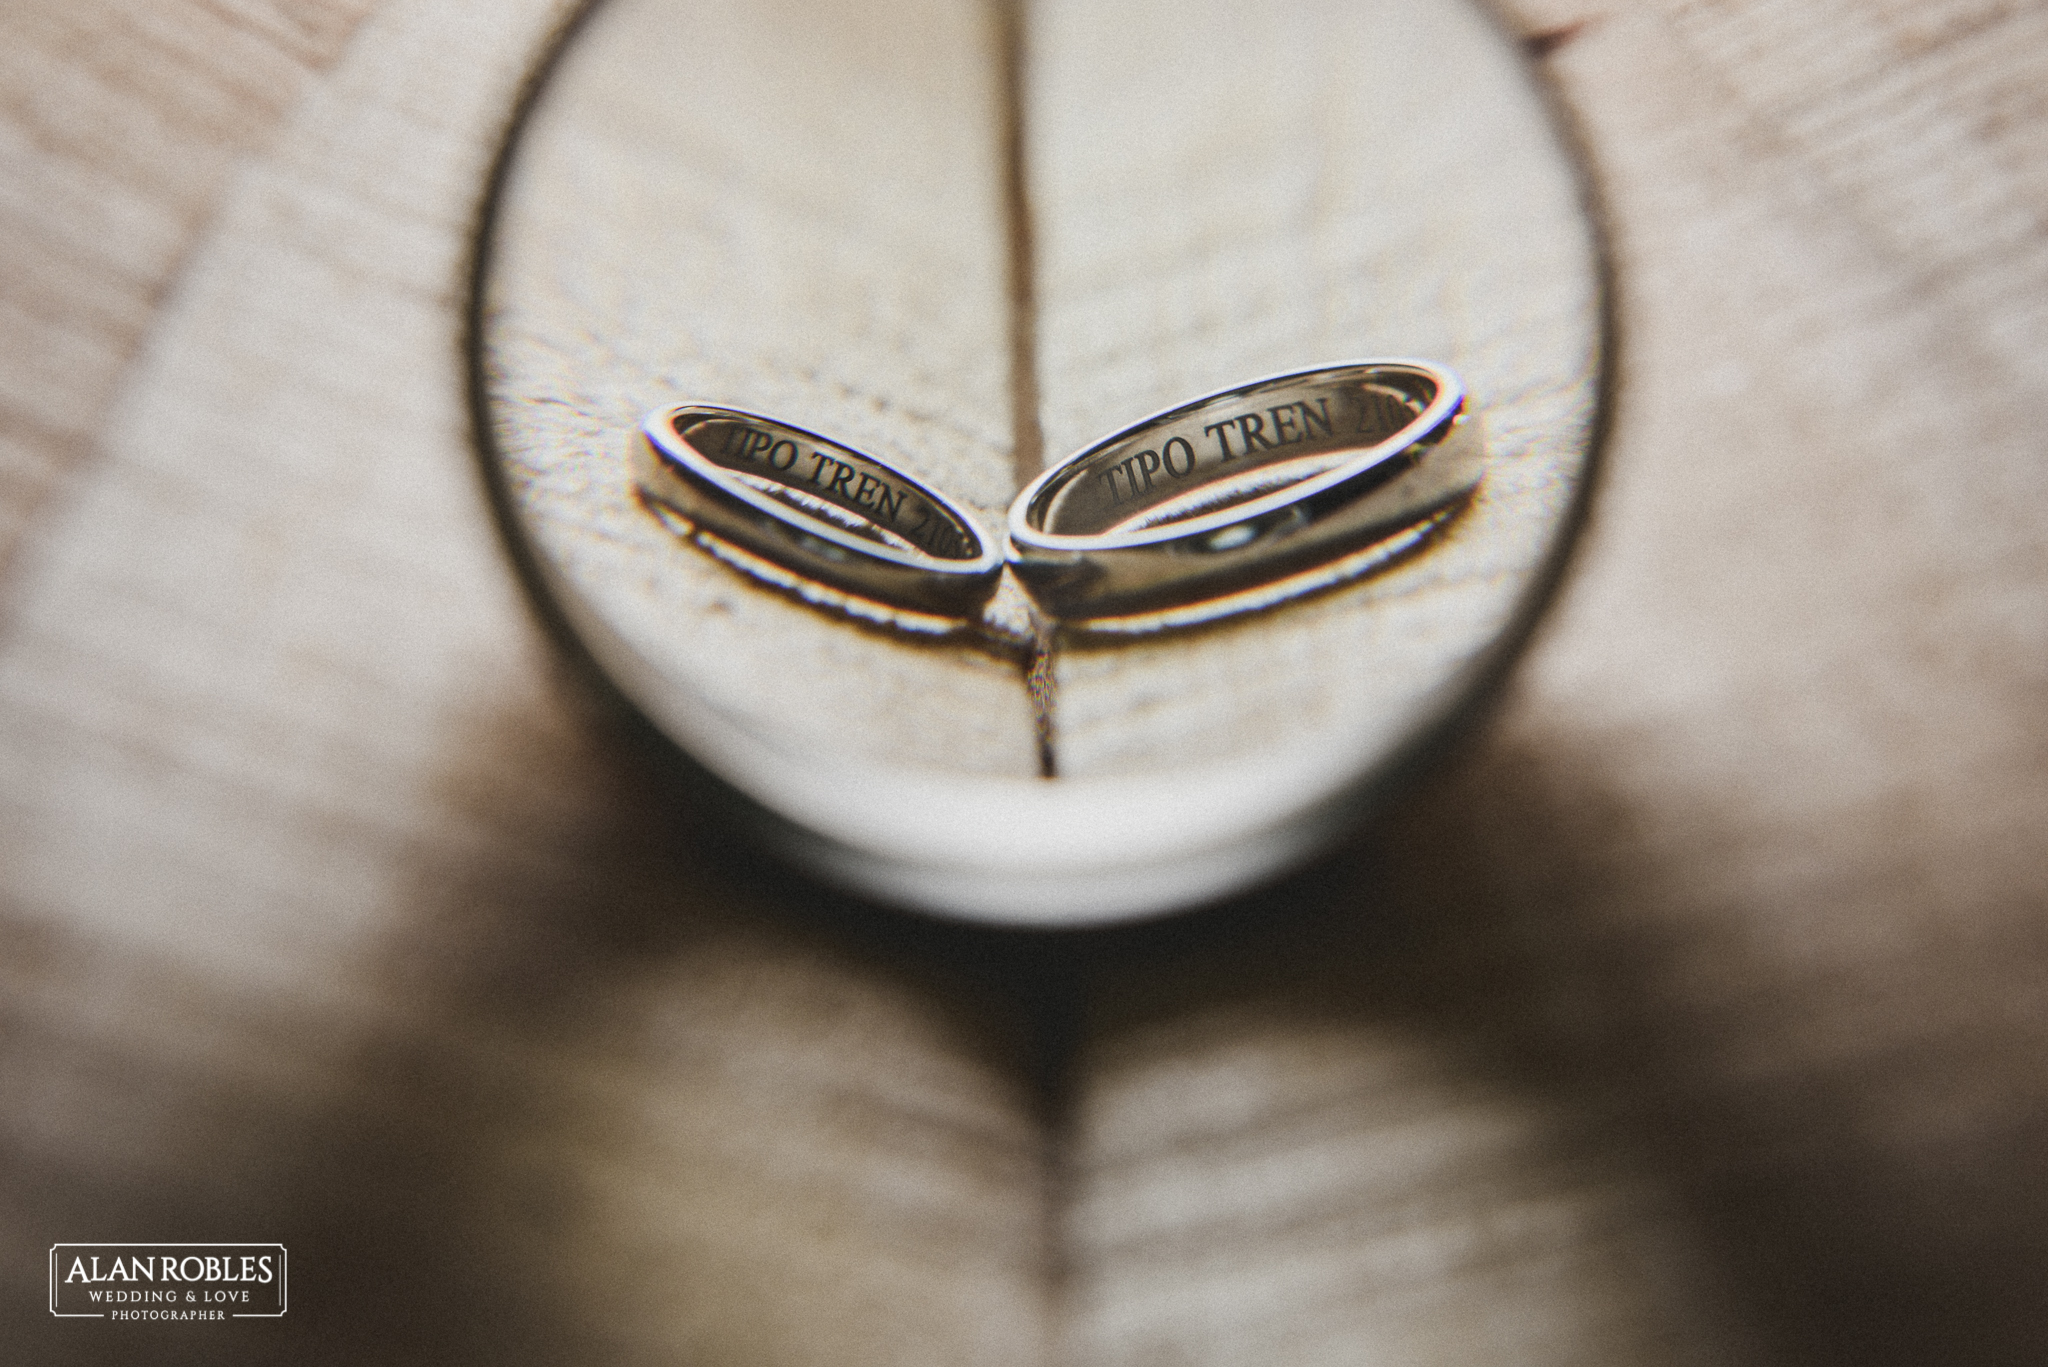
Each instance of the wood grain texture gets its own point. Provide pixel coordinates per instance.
(1350, 181)
(815, 232)
(818, 234)
(120, 125)
(1745, 880)
(328, 913)
(1693, 1012)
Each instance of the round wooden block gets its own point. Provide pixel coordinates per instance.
(969, 243)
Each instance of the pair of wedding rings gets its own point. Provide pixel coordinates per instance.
(1196, 505)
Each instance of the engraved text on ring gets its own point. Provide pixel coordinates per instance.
(882, 501)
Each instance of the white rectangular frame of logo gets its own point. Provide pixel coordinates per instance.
(282, 1258)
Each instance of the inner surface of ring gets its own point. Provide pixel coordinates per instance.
(828, 483)
(1232, 449)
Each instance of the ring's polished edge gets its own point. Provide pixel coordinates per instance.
(803, 511)
(1369, 559)
(1185, 516)
(809, 590)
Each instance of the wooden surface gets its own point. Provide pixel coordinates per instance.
(1694, 1011)
(122, 122)
(818, 232)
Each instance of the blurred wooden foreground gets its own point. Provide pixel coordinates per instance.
(1695, 1012)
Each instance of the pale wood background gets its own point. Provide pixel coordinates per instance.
(1692, 1012)
(804, 216)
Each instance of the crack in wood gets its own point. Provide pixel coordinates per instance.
(1027, 436)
